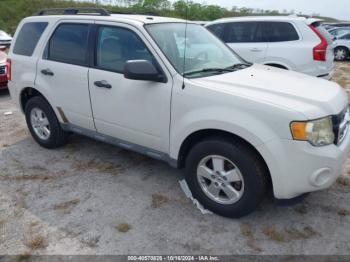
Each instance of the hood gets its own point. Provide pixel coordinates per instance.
(310, 96)
(3, 57)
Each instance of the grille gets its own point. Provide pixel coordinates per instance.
(2, 70)
(340, 125)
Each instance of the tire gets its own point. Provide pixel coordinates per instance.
(234, 154)
(38, 109)
(341, 53)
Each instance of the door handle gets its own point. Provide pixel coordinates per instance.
(47, 72)
(103, 83)
(256, 50)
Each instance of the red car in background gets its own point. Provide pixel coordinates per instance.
(3, 76)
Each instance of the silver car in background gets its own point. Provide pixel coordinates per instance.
(342, 47)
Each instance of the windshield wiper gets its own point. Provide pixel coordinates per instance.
(239, 66)
(209, 70)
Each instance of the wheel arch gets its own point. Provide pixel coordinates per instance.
(278, 65)
(28, 93)
(203, 134)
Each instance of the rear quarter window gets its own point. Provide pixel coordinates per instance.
(280, 32)
(28, 37)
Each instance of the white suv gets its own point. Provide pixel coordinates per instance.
(287, 42)
(238, 129)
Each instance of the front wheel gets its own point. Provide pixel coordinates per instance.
(226, 177)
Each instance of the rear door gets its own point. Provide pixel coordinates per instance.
(63, 72)
(247, 39)
(284, 44)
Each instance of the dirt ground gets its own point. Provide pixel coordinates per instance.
(93, 198)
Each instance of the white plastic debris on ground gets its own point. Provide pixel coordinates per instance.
(8, 113)
(188, 194)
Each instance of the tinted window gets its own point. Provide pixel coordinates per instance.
(28, 38)
(217, 29)
(244, 32)
(115, 46)
(280, 32)
(346, 37)
(69, 44)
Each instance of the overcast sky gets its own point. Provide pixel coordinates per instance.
(339, 9)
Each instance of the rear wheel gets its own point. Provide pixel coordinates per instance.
(228, 178)
(341, 53)
(43, 123)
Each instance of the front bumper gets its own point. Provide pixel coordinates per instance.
(297, 167)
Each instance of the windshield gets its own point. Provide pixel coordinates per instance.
(204, 54)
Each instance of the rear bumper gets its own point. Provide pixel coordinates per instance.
(297, 167)
(327, 73)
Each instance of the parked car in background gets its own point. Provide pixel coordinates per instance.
(3, 71)
(342, 47)
(292, 43)
(5, 39)
(344, 24)
(338, 31)
(330, 26)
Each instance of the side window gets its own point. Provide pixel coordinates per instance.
(28, 37)
(115, 46)
(346, 37)
(280, 32)
(69, 44)
(217, 29)
(243, 32)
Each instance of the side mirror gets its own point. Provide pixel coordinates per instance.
(142, 70)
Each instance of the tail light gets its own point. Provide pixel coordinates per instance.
(9, 69)
(320, 51)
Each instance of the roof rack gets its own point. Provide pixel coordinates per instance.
(75, 11)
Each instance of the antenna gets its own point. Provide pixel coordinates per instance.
(184, 64)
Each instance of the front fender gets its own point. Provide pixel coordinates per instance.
(249, 127)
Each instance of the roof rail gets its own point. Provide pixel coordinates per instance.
(75, 11)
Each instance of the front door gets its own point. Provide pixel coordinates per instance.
(130, 110)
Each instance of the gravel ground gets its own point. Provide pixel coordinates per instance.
(93, 198)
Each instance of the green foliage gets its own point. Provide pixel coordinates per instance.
(13, 11)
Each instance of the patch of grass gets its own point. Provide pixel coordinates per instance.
(67, 206)
(34, 223)
(272, 233)
(343, 212)
(123, 228)
(305, 233)
(24, 256)
(301, 209)
(343, 181)
(343, 82)
(249, 232)
(158, 200)
(103, 167)
(2, 221)
(37, 242)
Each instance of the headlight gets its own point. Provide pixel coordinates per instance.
(318, 132)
